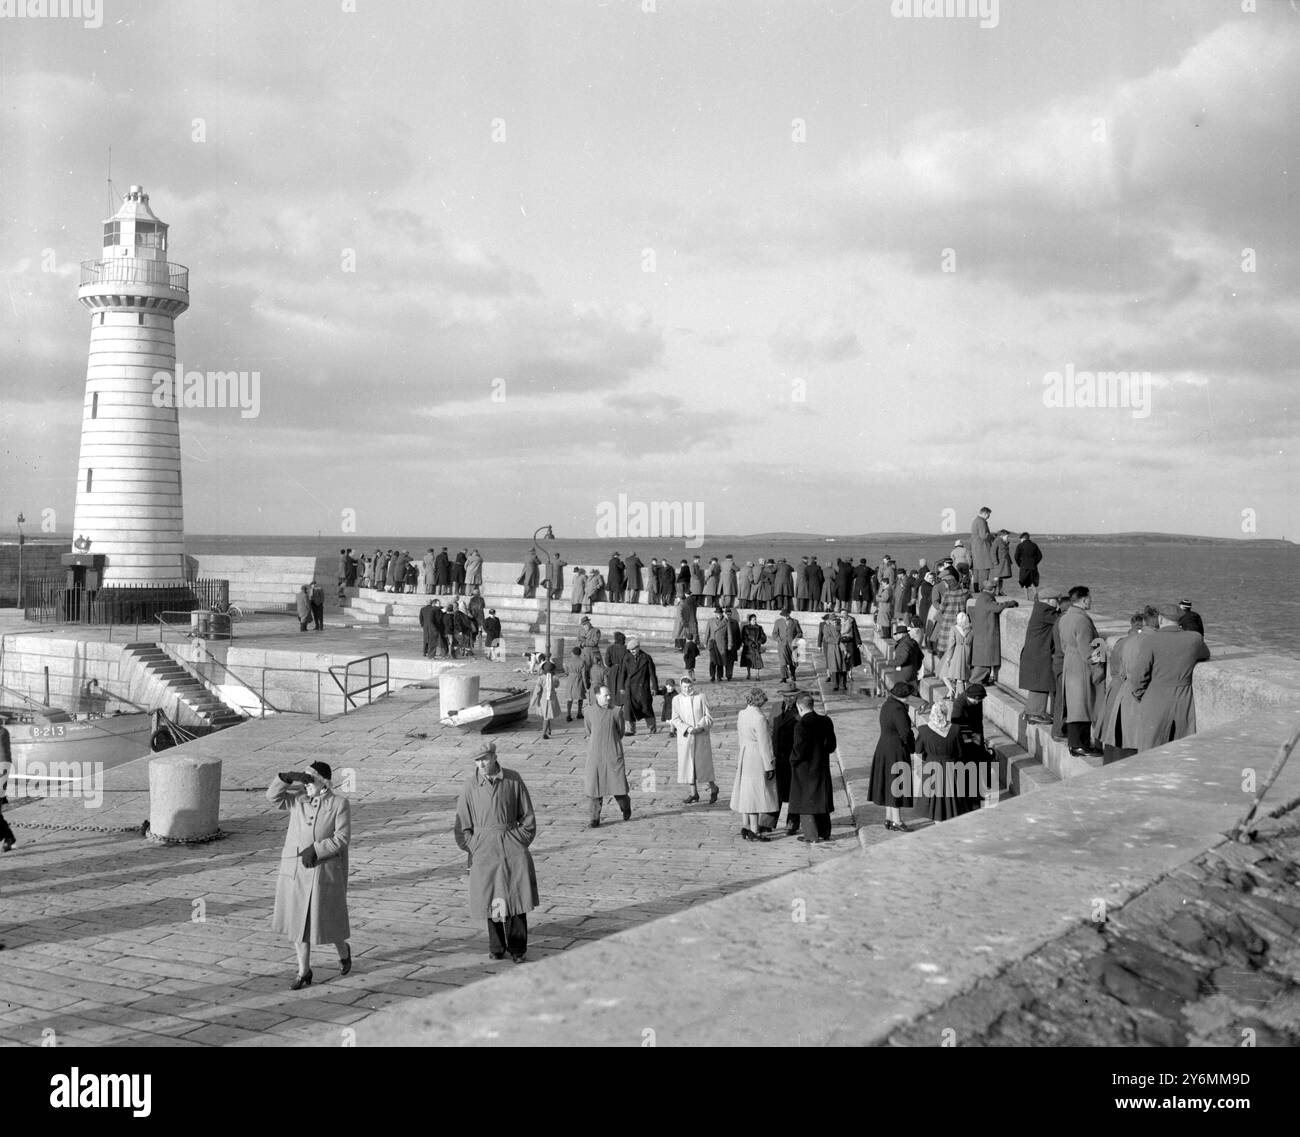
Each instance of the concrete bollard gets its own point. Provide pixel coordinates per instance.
(184, 797)
(455, 692)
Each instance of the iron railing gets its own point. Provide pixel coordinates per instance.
(344, 683)
(135, 270)
(51, 601)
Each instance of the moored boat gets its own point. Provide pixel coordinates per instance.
(497, 709)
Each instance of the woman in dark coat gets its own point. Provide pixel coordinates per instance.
(891, 764)
(844, 584)
(614, 662)
(752, 639)
(765, 589)
(949, 783)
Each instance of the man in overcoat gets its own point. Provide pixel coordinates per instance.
(632, 576)
(1161, 681)
(1079, 639)
(785, 630)
(615, 581)
(311, 891)
(606, 773)
(1036, 677)
(981, 541)
(812, 792)
(986, 634)
(495, 824)
(639, 684)
(1119, 716)
(1027, 557)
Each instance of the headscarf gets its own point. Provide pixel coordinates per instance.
(939, 721)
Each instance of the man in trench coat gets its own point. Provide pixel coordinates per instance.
(986, 634)
(638, 683)
(1161, 681)
(812, 794)
(606, 773)
(495, 824)
(1078, 639)
(311, 891)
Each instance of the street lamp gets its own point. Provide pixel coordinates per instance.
(21, 519)
(550, 536)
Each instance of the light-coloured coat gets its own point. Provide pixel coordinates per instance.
(606, 772)
(694, 751)
(753, 791)
(1076, 633)
(318, 895)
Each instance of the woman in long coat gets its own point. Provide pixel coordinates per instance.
(954, 602)
(891, 764)
(754, 790)
(474, 570)
(956, 665)
(752, 639)
(729, 582)
(766, 587)
(691, 721)
(850, 640)
(495, 824)
(712, 579)
(573, 687)
(546, 697)
(577, 589)
(844, 583)
(528, 574)
(605, 774)
(884, 609)
(311, 892)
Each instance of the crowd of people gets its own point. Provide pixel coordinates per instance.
(1105, 700)
(395, 570)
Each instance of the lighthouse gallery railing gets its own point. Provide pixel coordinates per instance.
(135, 270)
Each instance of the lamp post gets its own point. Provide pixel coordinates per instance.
(550, 536)
(21, 519)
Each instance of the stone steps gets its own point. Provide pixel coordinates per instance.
(187, 687)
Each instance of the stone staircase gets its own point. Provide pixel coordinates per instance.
(203, 707)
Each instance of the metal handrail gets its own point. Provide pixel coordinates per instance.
(295, 670)
(210, 658)
(346, 684)
(135, 270)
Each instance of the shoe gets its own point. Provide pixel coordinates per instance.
(691, 799)
(496, 955)
(713, 795)
(747, 835)
(345, 965)
(594, 824)
(301, 982)
(568, 718)
(517, 958)
(9, 844)
(627, 816)
(1078, 752)
(897, 827)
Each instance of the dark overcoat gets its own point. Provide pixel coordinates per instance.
(1036, 655)
(891, 764)
(1161, 681)
(638, 684)
(811, 787)
(495, 824)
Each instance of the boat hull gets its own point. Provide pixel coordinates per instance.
(68, 751)
(490, 714)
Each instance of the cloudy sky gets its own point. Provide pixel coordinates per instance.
(808, 264)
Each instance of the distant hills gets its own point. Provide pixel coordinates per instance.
(1135, 538)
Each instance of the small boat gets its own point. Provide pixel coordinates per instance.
(52, 745)
(499, 708)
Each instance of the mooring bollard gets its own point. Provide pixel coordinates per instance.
(456, 692)
(184, 798)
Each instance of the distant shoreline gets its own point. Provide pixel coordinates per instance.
(1134, 538)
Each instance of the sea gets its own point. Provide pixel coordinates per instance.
(1247, 592)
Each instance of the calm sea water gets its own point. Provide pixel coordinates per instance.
(1248, 594)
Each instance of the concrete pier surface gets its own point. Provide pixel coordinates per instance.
(667, 928)
(113, 940)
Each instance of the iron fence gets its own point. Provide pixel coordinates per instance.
(51, 600)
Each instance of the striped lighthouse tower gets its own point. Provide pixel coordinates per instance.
(128, 527)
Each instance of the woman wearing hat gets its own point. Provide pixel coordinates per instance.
(891, 765)
(546, 696)
(311, 892)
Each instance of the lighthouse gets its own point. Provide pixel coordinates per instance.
(128, 526)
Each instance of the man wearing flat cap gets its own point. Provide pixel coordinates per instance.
(495, 824)
(311, 892)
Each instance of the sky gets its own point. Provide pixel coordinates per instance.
(823, 267)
